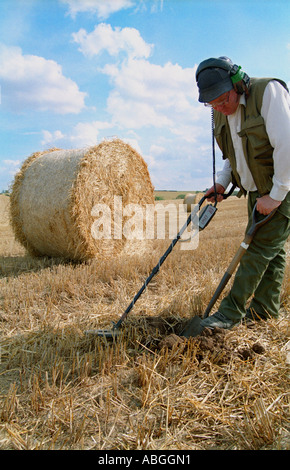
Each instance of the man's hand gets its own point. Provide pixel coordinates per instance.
(219, 189)
(266, 204)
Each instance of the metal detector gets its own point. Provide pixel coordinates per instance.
(205, 217)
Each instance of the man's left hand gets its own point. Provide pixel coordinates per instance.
(266, 204)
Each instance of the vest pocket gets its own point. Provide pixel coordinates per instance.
(257, 141)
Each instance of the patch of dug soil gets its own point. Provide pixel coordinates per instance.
(209, 343)
(249, 352)
(164, 332)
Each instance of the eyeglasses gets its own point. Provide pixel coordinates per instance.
(219, 103)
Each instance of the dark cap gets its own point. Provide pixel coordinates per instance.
(213, 82)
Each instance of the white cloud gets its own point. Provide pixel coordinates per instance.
(83, 134)
(13, 163)
(163, 99)
(157, 101)
(10, 167)
(129, 113)
(113, 41)
(86, 133)
(51, 137)
(157, 149)
(33, 82)
(144, 6)
(146, 94)
(134, 143)
(103, 8)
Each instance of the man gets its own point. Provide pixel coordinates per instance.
(252, 129)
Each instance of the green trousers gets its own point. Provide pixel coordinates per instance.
(260, 274)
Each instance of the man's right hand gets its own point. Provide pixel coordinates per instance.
(219, 189)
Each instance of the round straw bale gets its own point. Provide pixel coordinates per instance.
(190, 199)
(198, 197)
(55, 191)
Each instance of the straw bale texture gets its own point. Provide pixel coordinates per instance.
(55, 191)
(192, 199)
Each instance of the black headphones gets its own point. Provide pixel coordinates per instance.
(235, 71)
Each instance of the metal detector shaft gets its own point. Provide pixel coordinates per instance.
(113, 333)
(193, 327)
(238, 256)
(160, 262)
(163, 258)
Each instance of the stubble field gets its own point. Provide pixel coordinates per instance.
(63, 389)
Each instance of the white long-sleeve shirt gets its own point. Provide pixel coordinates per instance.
(276, 114)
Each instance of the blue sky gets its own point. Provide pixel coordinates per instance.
(73, 72)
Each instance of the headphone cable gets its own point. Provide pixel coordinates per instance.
(213, 157)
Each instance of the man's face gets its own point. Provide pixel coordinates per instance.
(227, 103)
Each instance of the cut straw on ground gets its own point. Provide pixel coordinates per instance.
(148, 390)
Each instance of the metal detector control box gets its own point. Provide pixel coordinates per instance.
(206, 215)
